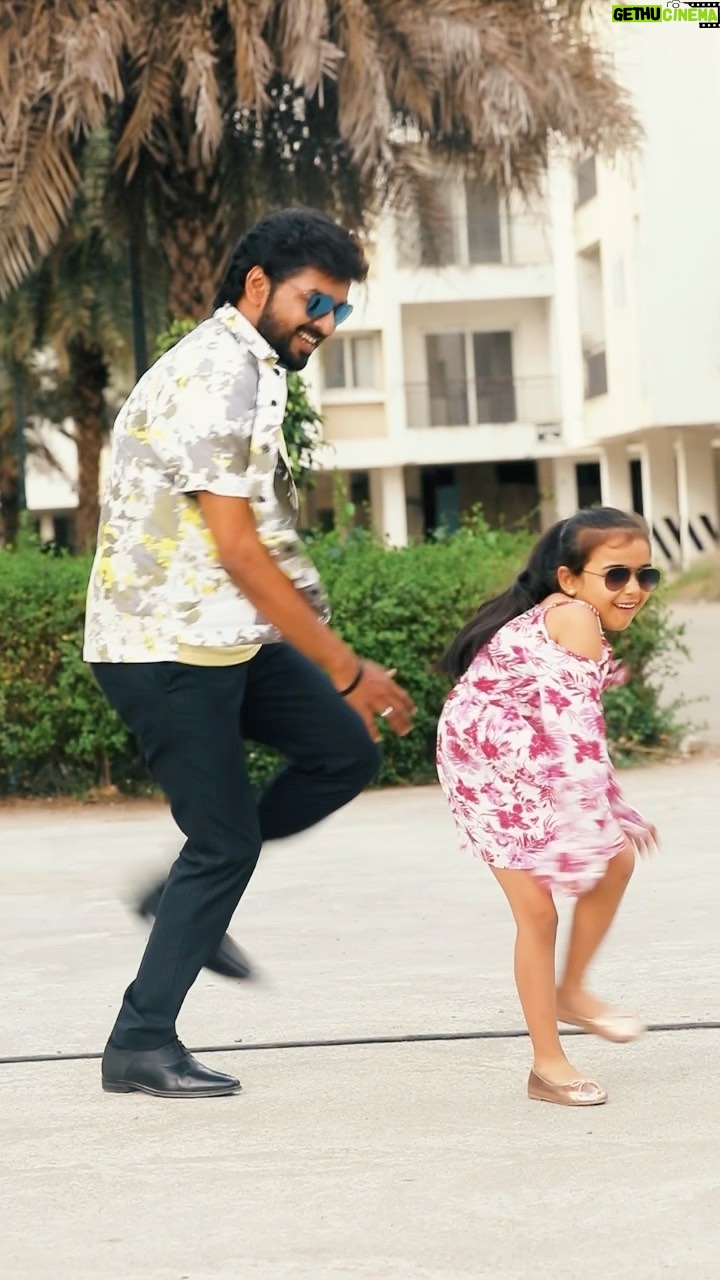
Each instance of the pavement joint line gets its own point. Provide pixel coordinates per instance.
(428, 1037)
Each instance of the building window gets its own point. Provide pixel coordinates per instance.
(350, 363)
(592, 320)
(483, 223)
(595, 373)
(470, 379)
(465, 229)
(586, 180)
(494, 386)
(447, 380)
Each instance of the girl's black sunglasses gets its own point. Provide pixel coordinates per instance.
(619, 575)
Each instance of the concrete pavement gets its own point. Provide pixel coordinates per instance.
(417, 1159)
(697, 682)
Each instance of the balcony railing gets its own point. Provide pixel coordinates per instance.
(513, 242)
(482, 401)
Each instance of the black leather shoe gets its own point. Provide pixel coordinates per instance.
(169, 1072)
(228, 960)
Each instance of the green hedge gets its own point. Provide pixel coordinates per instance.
(399, 607)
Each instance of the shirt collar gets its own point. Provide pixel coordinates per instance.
(241, 328)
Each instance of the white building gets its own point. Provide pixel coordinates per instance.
(537, 360)
(557, 357)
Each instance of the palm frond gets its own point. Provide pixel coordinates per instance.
(220, 105)
(151, 91)
(305, 54)
(199, 89)
(36, 193)
(87, 55)
(254, 62)
(365, 114)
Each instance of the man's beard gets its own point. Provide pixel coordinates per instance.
(280, 338)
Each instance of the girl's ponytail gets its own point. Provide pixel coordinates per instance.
(537, 580)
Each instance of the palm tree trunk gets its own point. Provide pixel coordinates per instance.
(89, 378)
(9, 506)
(194, 240)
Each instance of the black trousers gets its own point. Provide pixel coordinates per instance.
(191, 723)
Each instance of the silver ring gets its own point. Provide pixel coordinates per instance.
(387, 712)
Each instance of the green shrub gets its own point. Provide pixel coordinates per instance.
(398, 607)
(637, 721)
(401, 607)
(56, 731)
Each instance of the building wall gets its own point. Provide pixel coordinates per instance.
(679, 251)
(357, 420)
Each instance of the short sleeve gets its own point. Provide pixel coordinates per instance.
(200, 425)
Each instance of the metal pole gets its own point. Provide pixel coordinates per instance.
(21, 448)
(137, 254)
(139, 331)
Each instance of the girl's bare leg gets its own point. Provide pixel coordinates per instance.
(536, 922)
(594, 913)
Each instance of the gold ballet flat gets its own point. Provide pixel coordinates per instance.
(576, 1093)
(619, 1027)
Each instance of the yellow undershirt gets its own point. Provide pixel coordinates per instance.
(195, 655)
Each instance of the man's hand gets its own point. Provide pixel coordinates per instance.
(377, 695)
(254, 572)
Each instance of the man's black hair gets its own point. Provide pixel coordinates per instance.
(286, 242)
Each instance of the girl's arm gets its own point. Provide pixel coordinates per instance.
(571, 702)
(637, 828)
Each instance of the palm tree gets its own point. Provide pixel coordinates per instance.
(74, 312)
(217, 107)
(64, 306)
(22, 390)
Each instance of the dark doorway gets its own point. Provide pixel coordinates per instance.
(589, 488)
(636, 485)
(440, 499)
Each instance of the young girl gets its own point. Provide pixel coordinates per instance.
(523, 761)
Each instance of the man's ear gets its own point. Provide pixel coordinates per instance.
(257, 287)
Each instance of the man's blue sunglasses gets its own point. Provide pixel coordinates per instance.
(318, 305)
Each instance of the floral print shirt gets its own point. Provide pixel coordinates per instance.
(206, 417)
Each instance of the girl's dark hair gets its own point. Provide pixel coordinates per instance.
(570, 543)
(284, 243)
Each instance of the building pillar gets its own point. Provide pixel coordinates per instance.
(413, 490)
(557, 482)
(565, 311)
(389, 504)
(47, 528)
(393, 340)
(660, 495)
(615, 483)
(697, 496)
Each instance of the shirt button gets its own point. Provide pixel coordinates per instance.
(273, 403)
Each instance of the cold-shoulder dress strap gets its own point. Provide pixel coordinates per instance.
(558, 604)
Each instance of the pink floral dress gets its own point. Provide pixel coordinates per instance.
(522, 758)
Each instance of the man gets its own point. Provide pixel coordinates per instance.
(207, 623)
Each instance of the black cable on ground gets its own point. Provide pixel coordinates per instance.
(425, 1037)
